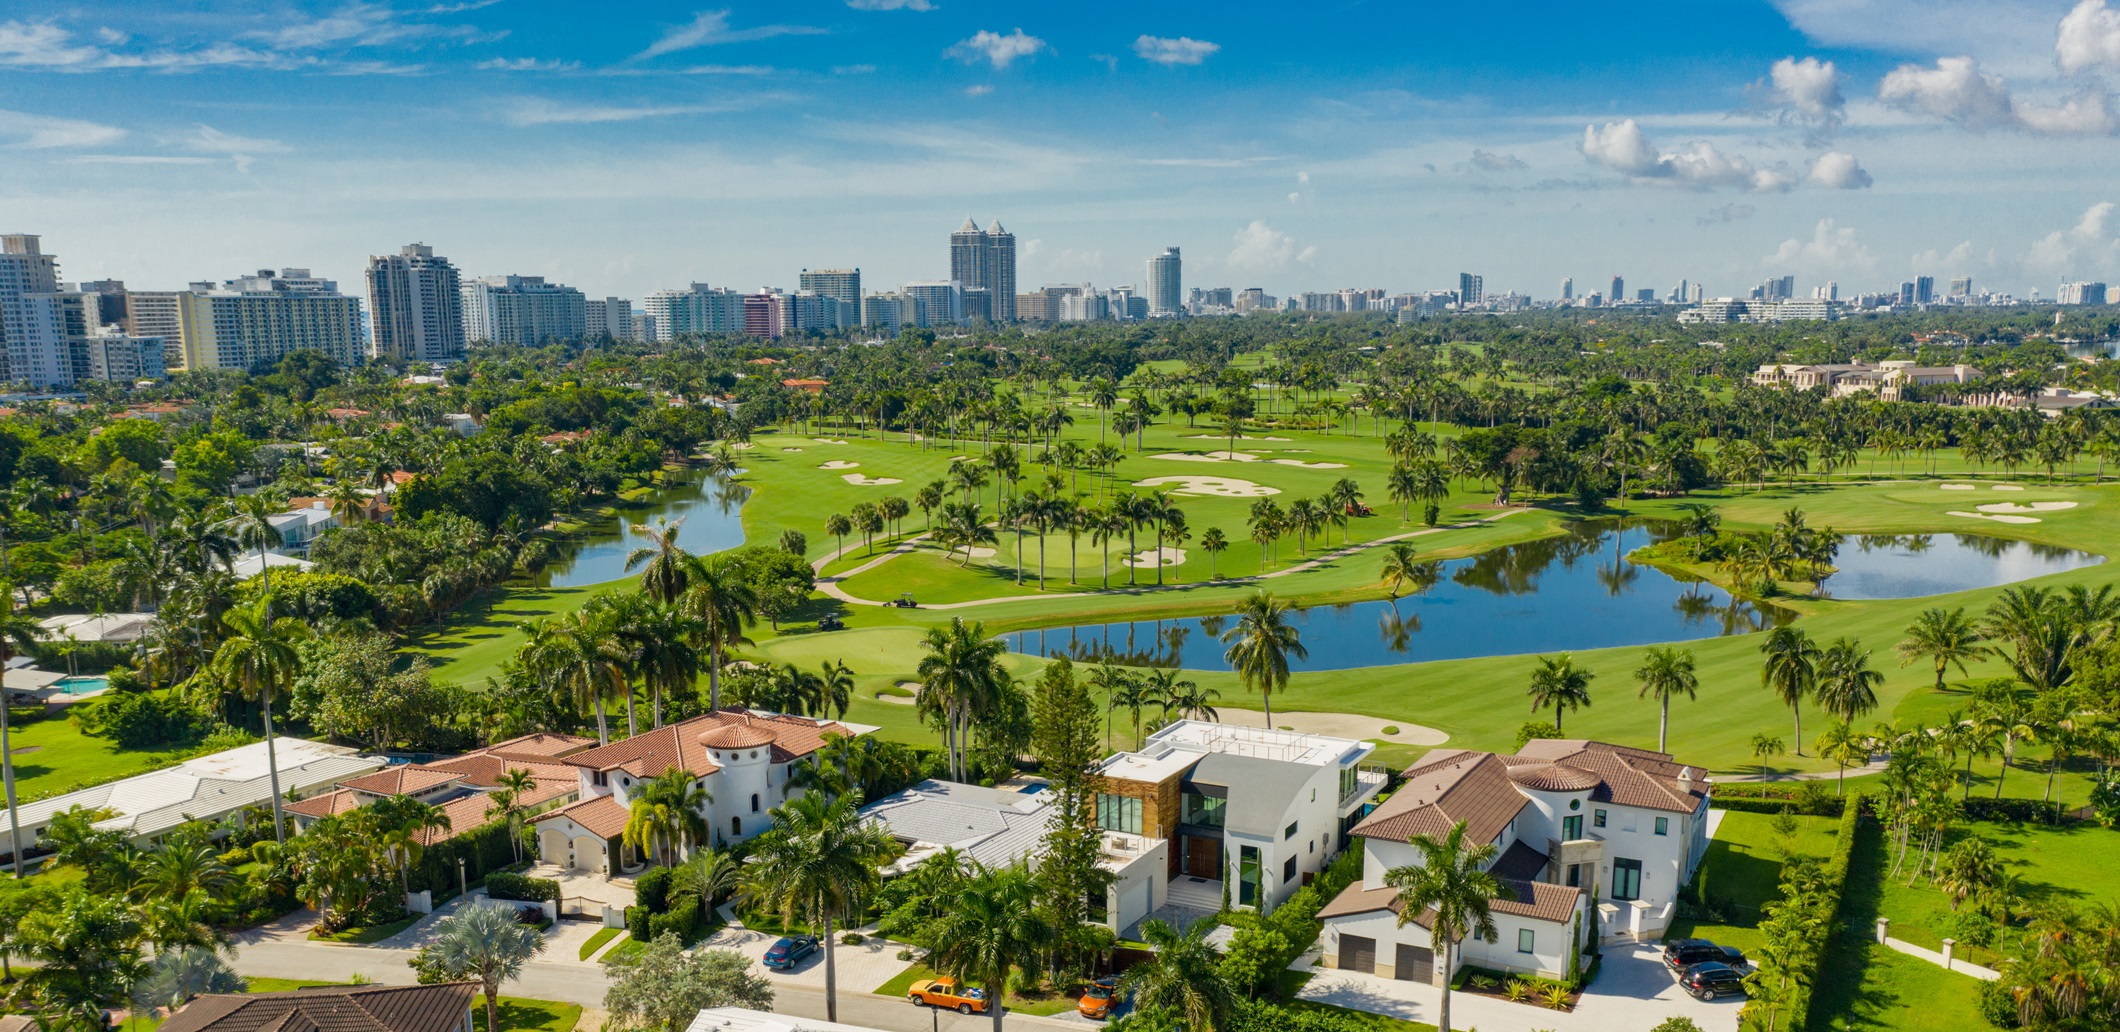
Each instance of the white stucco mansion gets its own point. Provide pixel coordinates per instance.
(1593, 839)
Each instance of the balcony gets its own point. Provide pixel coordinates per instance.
(1368, 780)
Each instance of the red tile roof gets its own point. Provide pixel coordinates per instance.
(330, 804)
(1536, 900)
(1448, 786)
(404, 779)
(601, 816)
(678, 745)
(337, 1008)
(1626, 776)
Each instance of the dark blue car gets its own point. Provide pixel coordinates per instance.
(789, 952)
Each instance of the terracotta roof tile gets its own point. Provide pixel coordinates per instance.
(1536, 900)
(403, 779)
(601, 816)
(1627, 776)
(677, 745)
(330, 804)
(349, 1008)
(1447, 787)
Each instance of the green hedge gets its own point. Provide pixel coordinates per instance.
(508, 885)
(1809, 798)
(484, 850)
(1819, 933)
(652, 890)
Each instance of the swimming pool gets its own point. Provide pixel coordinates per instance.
(81, 685)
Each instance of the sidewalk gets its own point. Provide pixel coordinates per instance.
(1963, 967)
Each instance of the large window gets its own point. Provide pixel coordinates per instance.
(1119, 813)
(1571, 828)
(1626, 880)
(1248, 876)
(1204, 811)
(1349, 778)
(1663, 825)
(1526, 940)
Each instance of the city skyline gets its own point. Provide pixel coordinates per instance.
(1863, 143)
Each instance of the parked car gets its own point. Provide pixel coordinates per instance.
(945, 992)
(1684, 953)
(1098, 999)
(789, 951)
(1711, 979)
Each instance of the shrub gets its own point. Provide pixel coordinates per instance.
(236, 857)
(505, 885)
(1517, 990)
(1554, 997)
(637, 923)
(1677, 1023)
(1998, 1004)
(652, 890)
(852, 939)
(682, 922)
(2019, 810)
(1391, 729)
(146, 720)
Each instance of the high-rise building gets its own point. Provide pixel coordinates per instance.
(110, 300)
(1906, 293)
(1619, 290)
(1252, 299)
(32, 326)
(1470, 289)
(1166, 284)
(415, 305)
(1924, 290)
(153, 313)
(889, 312)
(254, 321)
(766, 314)
(1646, 295)
(112, 354)
(986, 260)
(608, 318)
(697, 309)
(522, 310)
(1567, 288)
(1962, 287)
(822, 312)
(938, 302)
(844, 285)
(2081, 294)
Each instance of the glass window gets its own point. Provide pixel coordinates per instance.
(1288, 872)
(1597, 818)
(1663, 825)
(1119, 813)
(1288, 832)
(1248, 876)
(1348, 781)
(1571, 828)
(1205, 811)
(1626, 880)
(1525, 939)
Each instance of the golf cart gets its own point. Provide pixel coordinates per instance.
(904, 601)
(830, 622)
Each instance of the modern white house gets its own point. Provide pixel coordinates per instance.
(1247, 815)
(1591, 838)
(998, 826)
(744, 760)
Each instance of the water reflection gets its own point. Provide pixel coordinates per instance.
(1877, 566)
(711, 508)
(1574, 591)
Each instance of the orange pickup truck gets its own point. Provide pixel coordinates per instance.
(945, 992)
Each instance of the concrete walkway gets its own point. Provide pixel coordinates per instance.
(1633, 990)
(1933, 957)
(830, 585)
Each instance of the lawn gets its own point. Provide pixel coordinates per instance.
(2075, 864)
(52, 757)
(365, 934)
(1042, 1005)
(1864, 985)
(597, 941)
(1742, 872)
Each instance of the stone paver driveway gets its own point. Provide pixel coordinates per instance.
(861, 968)
(1634, 990)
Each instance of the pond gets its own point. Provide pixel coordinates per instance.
(1875, 566)
(712, 512)
(1567, 593)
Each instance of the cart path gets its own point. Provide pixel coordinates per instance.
(830, 585)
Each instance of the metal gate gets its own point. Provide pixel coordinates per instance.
(1358, 953)
(581, 908)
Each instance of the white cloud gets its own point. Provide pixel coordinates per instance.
(1623, 147)
(1835, 170)
(1954, 259)
(1488, 161)
(996, 48)
(711, 28)
(42, 132)
(1955, 90)
(1808, 92)
(2087, 244)
(890, 5)
(979, 90)
(43, 45)
(2089, 37)
(526, 64)
(1302, 177)
(1261, 248)
(1295, 197)
(208, 140)
(354, 24)
(1183, 50)
(538, 111)
(1831, 248)
(2015, 34)
(1306, 254)
(2088, 113)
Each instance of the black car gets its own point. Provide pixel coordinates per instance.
(1711, 979)
(1681, 954)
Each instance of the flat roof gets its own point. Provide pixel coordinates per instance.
(1175, 748)
(744, 1019)
(205, 787)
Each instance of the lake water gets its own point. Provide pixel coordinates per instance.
(1561, 594)
(1874, 566)
(711, 510)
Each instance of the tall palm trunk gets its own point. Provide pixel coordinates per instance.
(831, 974)
(7, 771)
(1663, 724)
(1442, 1014)
(272, 767)
(714, 677)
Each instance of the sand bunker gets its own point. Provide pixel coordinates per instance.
(839, 464)
(826, 440)
(1961, 487)
(1219, 487)
(977, 552)
(858, 480)
(1300, 464)
(1338, 725)
(1213, 456)
(1225, 437)
(1152, 557)
(2025, 506)
(2006, 487)
(959, 458)
(1997, 517)
(791, 449)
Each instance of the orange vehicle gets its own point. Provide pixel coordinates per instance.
(1097, 999)
(945, 992)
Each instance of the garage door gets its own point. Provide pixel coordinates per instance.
(1358, 953)
(1415, 964)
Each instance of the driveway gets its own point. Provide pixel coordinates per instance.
(861, 968)
(1634, 990)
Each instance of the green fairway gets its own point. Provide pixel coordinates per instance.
(2076, 864)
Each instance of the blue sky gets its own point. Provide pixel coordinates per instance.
(626, 147)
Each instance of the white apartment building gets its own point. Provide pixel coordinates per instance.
(937, 302)
(1166, 279)
(522, 310)
(2080, 294)
(697, 309)
(1246, 813)
(32, 326)
(112, 354)
(610, 317)
(254, 321)
(745, 762)
(889, 312)
(1591, 839)
(415, 300)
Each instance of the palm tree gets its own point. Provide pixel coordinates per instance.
(259, 658)
(1181, 975)
(704, 878)
(1847, 687)
(1260, 646)
(1844, 747)
(720, 604)
(993, 926)
(1401, 572)
(839, 527)
(662, 652)
(506, 804)
(1666, 672)
(1790, 671)
(1185, 698)
(485, 941)
(253, 527)
(18, 633)
(961, 672)
(1946, 637)
(1452, 881)
(1132, 695)
(403, 822)
(663, 578)
(1561, 684)
(665, 814)
(1213, 543)
(819, 863)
